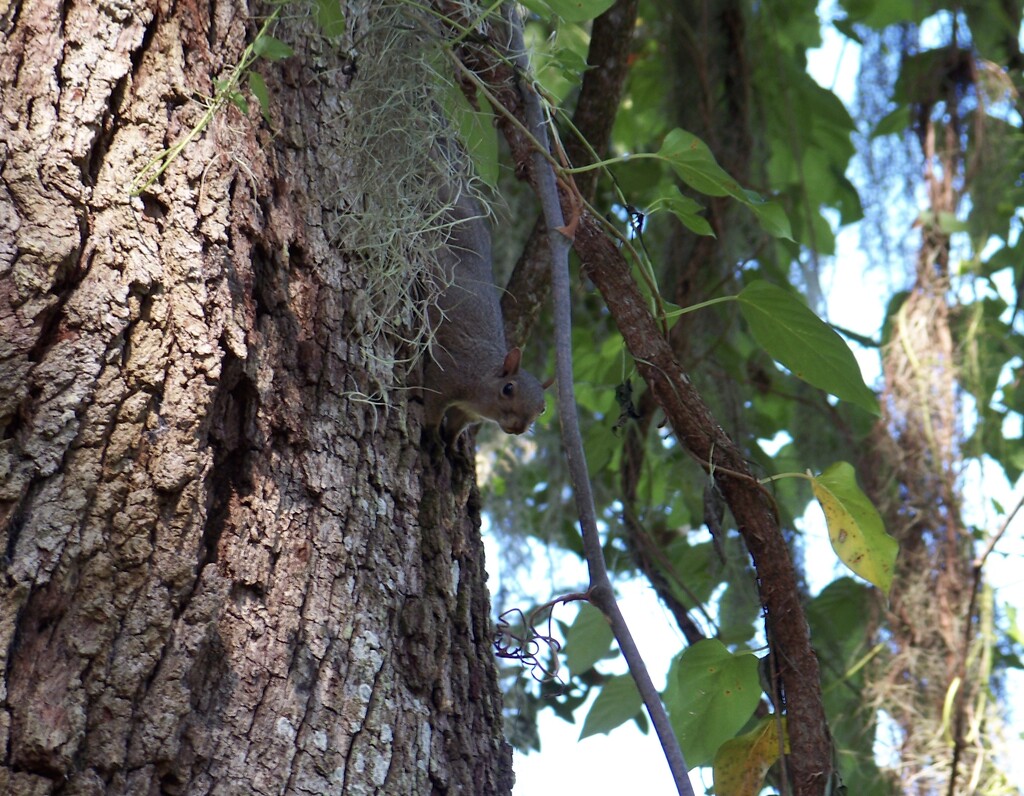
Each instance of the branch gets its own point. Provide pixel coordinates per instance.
(979, 562)
(810, 762)
(600, 592)
(611, 39)
(977, 569)
(650, 556)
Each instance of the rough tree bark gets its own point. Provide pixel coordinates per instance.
(223, 573)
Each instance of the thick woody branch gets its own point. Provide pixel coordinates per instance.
(611, 40)
(810, 763)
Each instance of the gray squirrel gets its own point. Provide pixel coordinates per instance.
(470, 373)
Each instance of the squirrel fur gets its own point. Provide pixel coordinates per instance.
(471, 374)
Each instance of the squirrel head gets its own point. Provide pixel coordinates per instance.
(520, 397)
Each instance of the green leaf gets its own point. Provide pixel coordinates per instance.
(588, 640)
(560, 59)
(881, 13)
(854, 526)
(711, 693)
(771, 217)
(648, 94)
(239, 101)
(696, 166)
(579, 10)
(270, 48)
(618, 702)
(787, 329)
(693, 162)
(738, 609)
(694, 566)
(949, 223)
(259, 89)
(684, 208)
(329, 17)
(838, 616)
(1014, 632)
(893, 122)
(742, 762)
(538, 7)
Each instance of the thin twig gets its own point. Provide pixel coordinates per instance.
(979, 562)
(977, 568)
(600, 592)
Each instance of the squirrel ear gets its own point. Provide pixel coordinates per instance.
(511, 365)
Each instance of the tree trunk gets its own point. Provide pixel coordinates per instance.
(227, 570)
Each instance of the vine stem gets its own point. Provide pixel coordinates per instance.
(160, 162)
(600, 592)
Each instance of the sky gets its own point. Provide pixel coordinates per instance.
(626, 759)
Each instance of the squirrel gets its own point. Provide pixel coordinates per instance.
(471, 374)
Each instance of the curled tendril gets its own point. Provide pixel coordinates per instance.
(517, 638)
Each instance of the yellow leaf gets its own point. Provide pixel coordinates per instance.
(742, 762)
(855, 527)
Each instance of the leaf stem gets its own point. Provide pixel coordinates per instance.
(160, 162)
(613, 161)
(702, 305)
(779, 476)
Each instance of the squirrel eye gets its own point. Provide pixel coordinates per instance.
(508, 389)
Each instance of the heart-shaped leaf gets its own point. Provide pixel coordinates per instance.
(618, 702)
(588, 640)
(710, 694)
